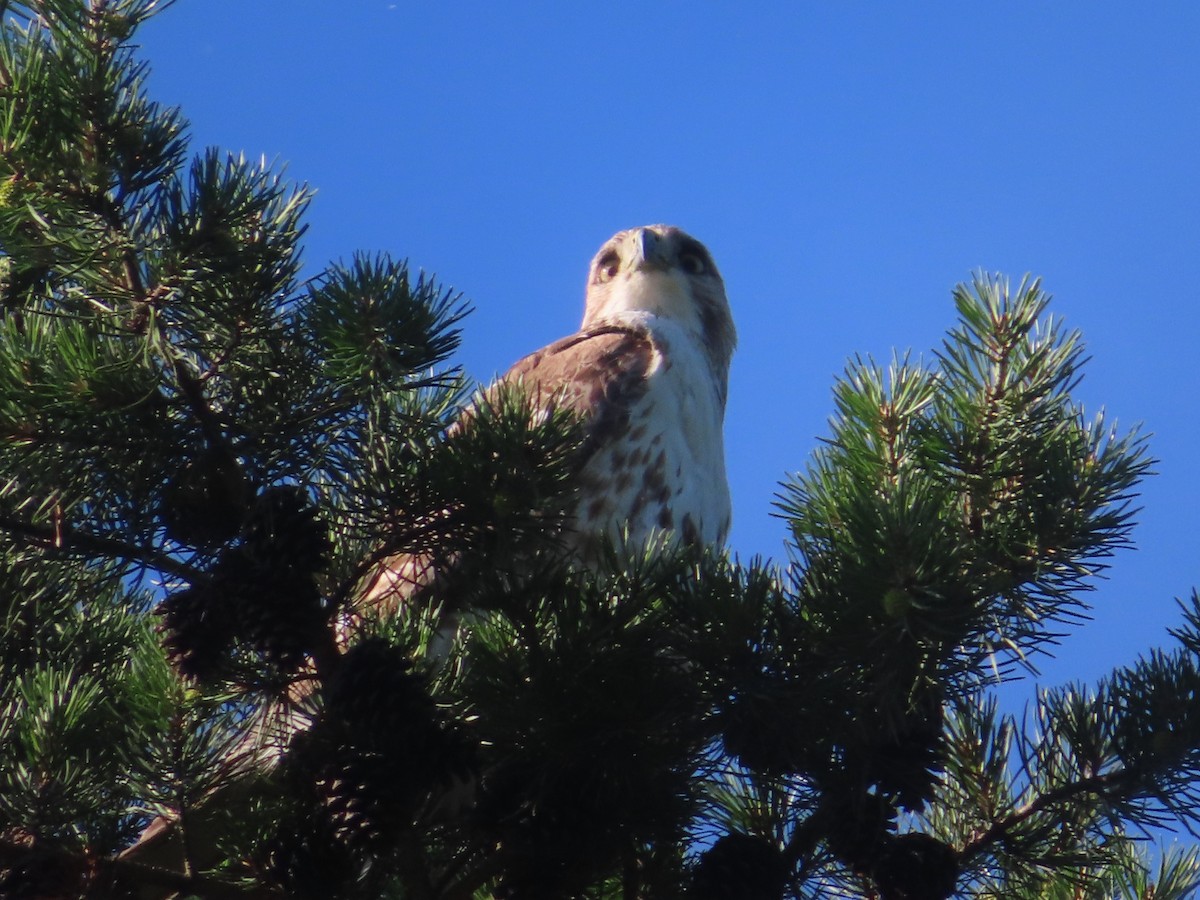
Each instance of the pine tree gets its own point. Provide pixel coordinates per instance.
(201, 454)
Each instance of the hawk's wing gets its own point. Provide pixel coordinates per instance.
(599, 374)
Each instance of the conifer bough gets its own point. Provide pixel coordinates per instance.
(201, 454)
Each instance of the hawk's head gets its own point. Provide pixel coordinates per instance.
(660, 269)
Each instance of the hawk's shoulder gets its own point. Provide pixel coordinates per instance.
(598, 373)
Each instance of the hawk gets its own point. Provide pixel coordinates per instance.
(648, 374)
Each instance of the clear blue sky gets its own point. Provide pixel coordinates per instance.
(847, 163)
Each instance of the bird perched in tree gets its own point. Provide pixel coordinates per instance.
(647, 373)
(647, 376)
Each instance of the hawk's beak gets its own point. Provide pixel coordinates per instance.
(648, 250)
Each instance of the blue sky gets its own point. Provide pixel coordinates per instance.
(846, 163)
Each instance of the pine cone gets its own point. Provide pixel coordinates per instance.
(367, 799)
(384, 707)
(763, 739)
(280, 612)
(262, 591)
(283, 545)
(283, 531)
(908, 765)
(200, 630)
(916, 866)
(360, 797)
(907, 770)
(307, 861)
(380, 754)
(375, 690)
(858, 826)
(203, 504)
(740, 867)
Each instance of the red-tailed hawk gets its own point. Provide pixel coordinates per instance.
(648, 372)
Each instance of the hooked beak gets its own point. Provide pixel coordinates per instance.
(648, 250)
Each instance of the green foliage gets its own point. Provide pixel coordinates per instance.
(81, 679)
(203, 456)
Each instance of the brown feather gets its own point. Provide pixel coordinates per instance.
(599, 373)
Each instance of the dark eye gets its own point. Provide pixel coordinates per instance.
(608, 266)
(693, 258)
(692, 263)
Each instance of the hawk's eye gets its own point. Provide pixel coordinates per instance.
(608, 266)
(692, 263)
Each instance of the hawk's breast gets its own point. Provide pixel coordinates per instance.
(663, 465)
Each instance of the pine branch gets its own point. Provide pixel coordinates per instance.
(193, 393)
(414, 868)
(997, 833)
(296, 437)
(86, 871)
(63, 536)
(143, 298)
(466, 885)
